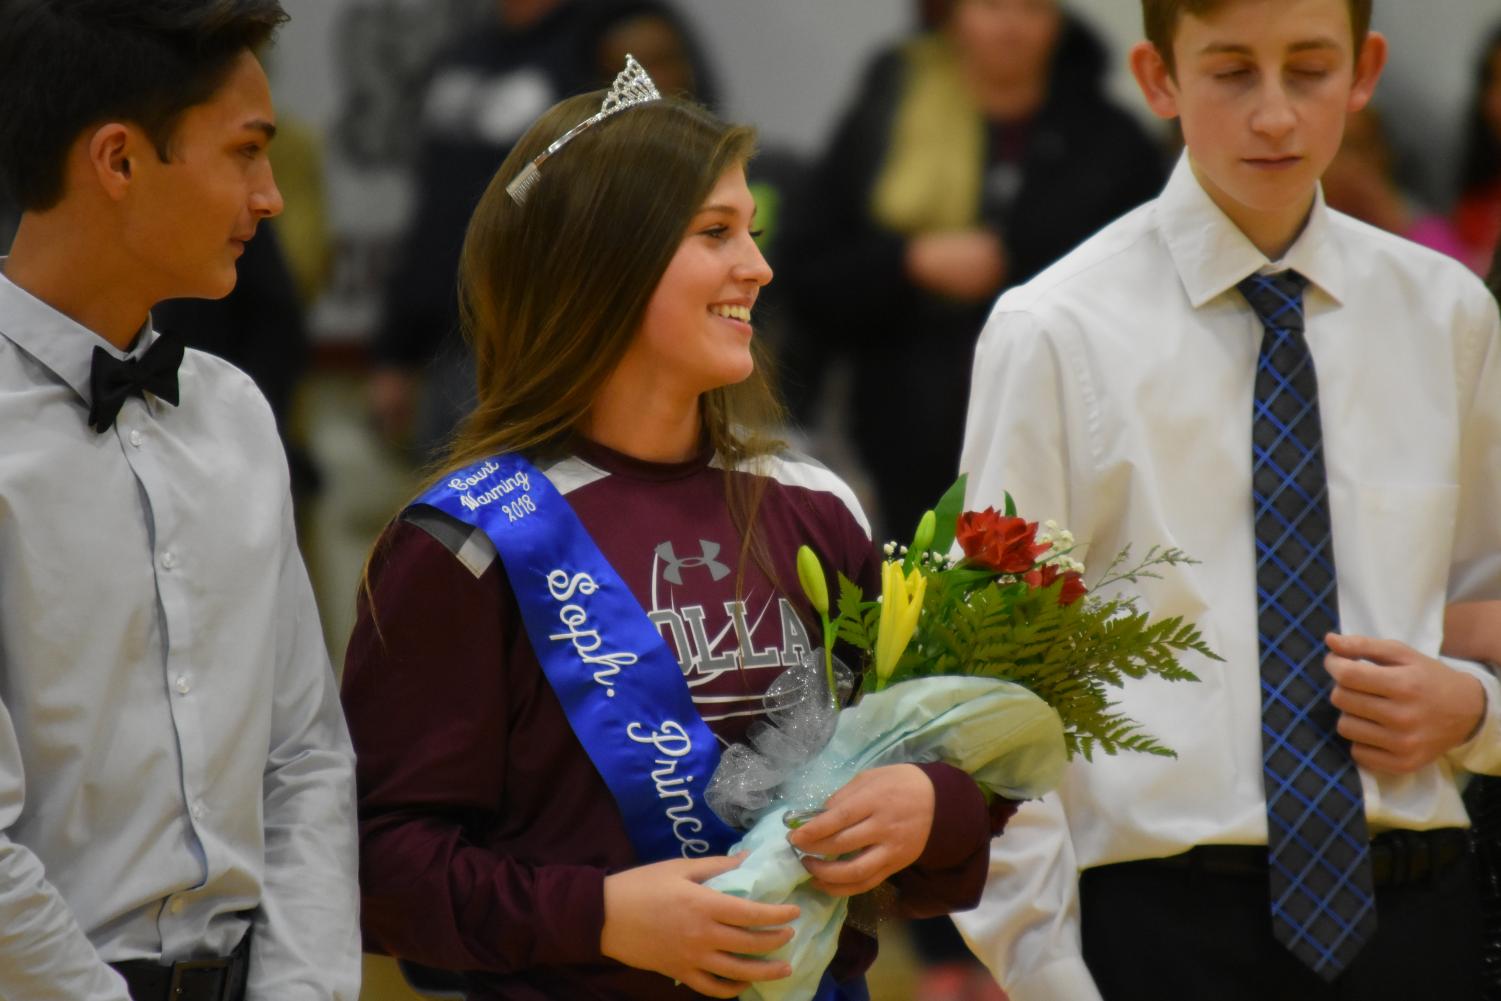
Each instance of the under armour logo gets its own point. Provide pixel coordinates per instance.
(674, 571)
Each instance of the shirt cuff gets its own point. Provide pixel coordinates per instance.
(1482, 752)
(961, 818)
(1065, 979)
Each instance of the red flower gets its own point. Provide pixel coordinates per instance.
(999, 543)
(1073, 588)
(1041, 577)
(1073, 582)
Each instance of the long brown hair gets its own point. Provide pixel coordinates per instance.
(553, 291)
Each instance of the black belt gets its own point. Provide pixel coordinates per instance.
(1398, 858)
(189, 980)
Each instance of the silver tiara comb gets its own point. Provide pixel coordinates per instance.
(632, 86)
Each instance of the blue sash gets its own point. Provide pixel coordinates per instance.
(620, 686)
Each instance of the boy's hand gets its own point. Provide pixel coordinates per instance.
(1399, 709)
(660, 917)
(884, 815)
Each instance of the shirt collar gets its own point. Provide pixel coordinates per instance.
(1212, 255)
(57, 342)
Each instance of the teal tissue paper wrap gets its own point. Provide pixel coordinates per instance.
(1006, 738)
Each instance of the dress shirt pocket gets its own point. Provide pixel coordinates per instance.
(1393, 543)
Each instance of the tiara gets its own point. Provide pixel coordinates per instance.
(632, 86)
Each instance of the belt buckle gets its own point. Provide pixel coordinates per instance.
(198, 974)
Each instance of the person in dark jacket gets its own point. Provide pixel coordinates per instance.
(484, 90)
(660, 37)
(974, 154)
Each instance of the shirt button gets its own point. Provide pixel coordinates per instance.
(169, 560)
(183, 686)
(177, 905)
(197, 811)
(136, 438)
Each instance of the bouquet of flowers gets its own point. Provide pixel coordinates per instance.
(998, 661)
(1015, 607)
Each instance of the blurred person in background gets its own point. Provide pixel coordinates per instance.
(303, 229)
(1477, 214)
(660, 39)
(1473, 631)
(260, 329)
(484, 90)
(1362, 182)
(975, 154)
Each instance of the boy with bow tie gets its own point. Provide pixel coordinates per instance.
(176, 809)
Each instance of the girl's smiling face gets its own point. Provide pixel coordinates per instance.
(696, 333)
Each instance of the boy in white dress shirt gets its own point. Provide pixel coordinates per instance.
(176, 780)
(1312, 409)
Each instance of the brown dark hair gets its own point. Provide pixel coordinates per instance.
(66, 65)
(553, 291)
(1160, 19)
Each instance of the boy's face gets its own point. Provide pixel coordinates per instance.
(1262, 88)
(186, 221)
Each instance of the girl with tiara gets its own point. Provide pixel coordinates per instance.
(590, 600)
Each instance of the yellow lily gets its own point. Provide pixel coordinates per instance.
(810, 575)
(901, 604)
(816, 587)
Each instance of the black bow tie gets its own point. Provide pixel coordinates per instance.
(112, 380)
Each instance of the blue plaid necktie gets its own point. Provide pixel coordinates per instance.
(1318, 851)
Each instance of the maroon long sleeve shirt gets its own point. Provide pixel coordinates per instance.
(485, 831)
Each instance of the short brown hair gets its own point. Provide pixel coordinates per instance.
(1159, 19)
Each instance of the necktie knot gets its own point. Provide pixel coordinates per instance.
(112, 380)
(1277, 298)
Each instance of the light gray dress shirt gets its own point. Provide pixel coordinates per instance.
(174, 765)
(1114, 393)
